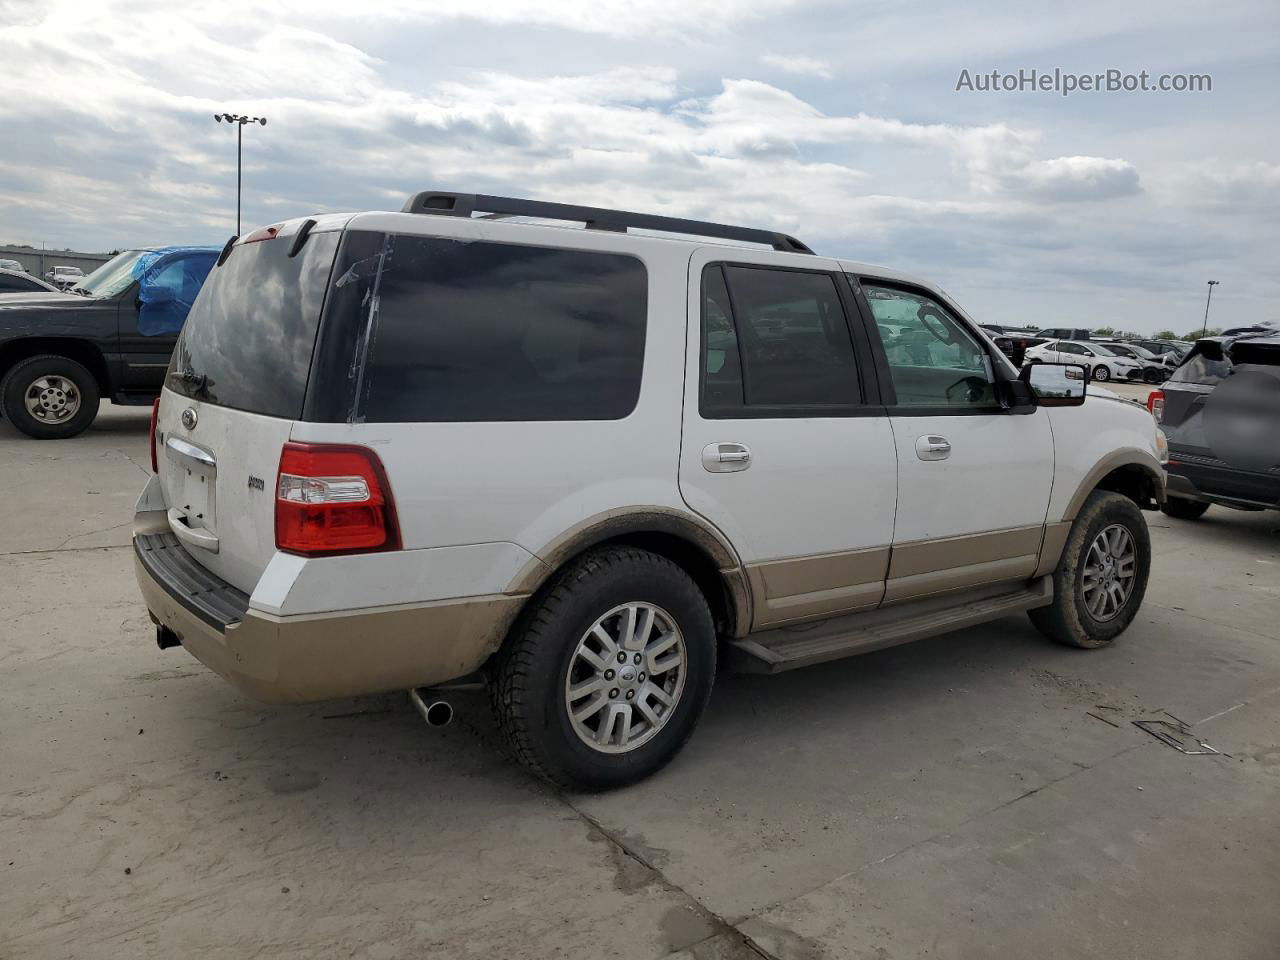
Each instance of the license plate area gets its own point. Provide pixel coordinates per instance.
(194, 488)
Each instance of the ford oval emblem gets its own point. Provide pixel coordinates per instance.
(189, 418)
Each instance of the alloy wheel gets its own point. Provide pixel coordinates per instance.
(625, 678)
(1110, 572)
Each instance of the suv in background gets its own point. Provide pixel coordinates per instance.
(1103, 364)
(1221, 411)
(108, 336)
(582, 465)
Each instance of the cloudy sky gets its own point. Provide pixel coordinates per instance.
(838, 122)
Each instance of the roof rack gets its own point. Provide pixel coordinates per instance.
(595, 218)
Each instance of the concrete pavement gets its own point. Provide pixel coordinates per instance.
(951, 798)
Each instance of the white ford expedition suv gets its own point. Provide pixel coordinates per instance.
(449, 445)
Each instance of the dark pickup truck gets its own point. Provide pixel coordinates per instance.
(108, 336)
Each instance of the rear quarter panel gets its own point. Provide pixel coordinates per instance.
(527, 483)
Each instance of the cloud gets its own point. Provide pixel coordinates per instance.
(1066, 179)
(799, 65)
(684, 108)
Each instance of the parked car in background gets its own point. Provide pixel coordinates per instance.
(1102, 363)
(1065, 333)
(109, 336)
(518, 462)
(1221, 413)
(1013, 341)
(1178, 348)
(18, 281)
(63, 277)
(1155, 368)
(12, 265)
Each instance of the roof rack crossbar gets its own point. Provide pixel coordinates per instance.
(595, 218)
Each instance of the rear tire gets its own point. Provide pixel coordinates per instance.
(1101, 374)
(1181, 508)
(560, 647)
(1087, 611)
(50, 397)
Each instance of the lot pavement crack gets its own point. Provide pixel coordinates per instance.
(720, 928)
(60, 549)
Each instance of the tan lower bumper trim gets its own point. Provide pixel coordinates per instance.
(301, 659)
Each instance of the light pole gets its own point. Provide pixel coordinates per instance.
(239, 121)
(1205, 332)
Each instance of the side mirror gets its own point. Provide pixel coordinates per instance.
(1056, 384)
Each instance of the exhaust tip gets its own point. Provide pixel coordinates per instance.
(437, 713)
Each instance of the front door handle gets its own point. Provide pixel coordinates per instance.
(725, 457)
(933, 448)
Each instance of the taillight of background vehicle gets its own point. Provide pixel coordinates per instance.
(333, 499)
(1155, 403)
(155, 415)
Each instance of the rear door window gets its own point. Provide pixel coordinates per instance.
(466, 331)
(775, 340)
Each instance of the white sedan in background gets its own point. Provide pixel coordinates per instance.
(1103, 364)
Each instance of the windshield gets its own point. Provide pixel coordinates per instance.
(111, 278)
(1102, 351)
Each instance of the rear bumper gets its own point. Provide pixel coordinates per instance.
(1218, 483)
(299, 659)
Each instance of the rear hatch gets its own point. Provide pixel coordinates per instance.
(235, 385)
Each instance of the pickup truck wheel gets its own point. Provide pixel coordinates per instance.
(1101, 374)
(1102, 577)
(1183, 509)
(50, 397)
(606, 674)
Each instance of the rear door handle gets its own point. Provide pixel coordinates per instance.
(725, 457)
(933, 448)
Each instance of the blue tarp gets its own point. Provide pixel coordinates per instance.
(168, 280)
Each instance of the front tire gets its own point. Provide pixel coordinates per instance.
(1102, 577)
(1101, 374)
(1181, 508)
(50, 397)
(1152, 376)
(607, 672)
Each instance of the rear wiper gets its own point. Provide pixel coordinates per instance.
(199, 380)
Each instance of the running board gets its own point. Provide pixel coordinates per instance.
(801, 645)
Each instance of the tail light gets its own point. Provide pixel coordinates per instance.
(1155, 403)
(155, 415)
(333, 499)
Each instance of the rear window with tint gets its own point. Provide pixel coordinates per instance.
(468, 331)
(1198, 368)
(247, 342)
